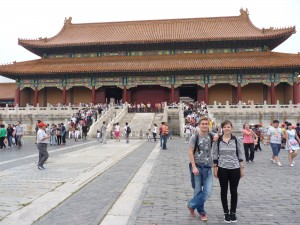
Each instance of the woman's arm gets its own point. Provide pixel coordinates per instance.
(247, 132)
(296, 136)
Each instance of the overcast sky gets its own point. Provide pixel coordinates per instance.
(44, 18)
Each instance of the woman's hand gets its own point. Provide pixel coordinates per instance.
(195, 171)
(216, 172)
(242, 172)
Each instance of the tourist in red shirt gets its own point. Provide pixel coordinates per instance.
(249, 139)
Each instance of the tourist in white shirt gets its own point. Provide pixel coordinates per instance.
(117, 132)
(188, 132)
(154, 132)
(42, 143)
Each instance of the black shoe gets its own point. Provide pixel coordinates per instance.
(227, 218)
(233, 217)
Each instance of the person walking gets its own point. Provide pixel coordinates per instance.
(2, 136)
(259, 134)
(42, 143)
(103, 133)
(58, 134)
(187, 132)
(292, 144)
(228, 167)
(117, 132)
(53, 137)
(9, 133)
(63, 133)
(84, 131)
(201, 162)
(274, 138)
(127, 131)
(19, 134)
(154, 132)
(165, 132)
(249, 139)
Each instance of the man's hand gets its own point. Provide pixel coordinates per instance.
(216, 137)
(195, 171)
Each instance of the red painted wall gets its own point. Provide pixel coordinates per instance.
(152, 94)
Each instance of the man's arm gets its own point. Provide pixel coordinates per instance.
(192, 160)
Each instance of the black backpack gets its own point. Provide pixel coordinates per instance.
(128, 130)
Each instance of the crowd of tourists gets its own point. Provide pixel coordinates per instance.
(11, 136)
(141, 107)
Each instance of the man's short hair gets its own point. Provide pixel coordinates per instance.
(203, 118)
(275, 121)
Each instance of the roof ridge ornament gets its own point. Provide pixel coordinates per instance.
(244, 13)
(68, 21)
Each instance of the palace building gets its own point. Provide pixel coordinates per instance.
(207, 59)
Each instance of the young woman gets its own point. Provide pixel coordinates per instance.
(292, 144)
(228, 167)
(250, 139)
(117, 132)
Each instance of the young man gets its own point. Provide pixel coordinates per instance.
(274, 139)
(42, 139)
(201, 162)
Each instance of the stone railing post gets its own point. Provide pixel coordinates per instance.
(17, 109)
(227, 105)
(290, 105)
(265, 106)
(215, 105)
(277, 106)
(37, 108)
(27, 108)
(6, 109)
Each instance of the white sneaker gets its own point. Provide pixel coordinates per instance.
(272, 161)
(279, 163)
(292, 164)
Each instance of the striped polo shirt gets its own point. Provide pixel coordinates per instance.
(227, 157)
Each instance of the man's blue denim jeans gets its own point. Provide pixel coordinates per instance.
(164, 139)
(203, 188)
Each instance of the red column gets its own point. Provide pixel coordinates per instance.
(18, 96)
(124, 97)
(172, 93)
(176, 95)
(272, 93)
(239, 92)
(296, 93)
(93, 95)
(206, 93)
(36, 97)
(64, 96)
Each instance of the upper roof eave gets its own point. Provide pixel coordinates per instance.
(158, 31)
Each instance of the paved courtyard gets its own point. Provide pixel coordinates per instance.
(89, 183)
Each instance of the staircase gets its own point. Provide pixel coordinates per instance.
(158, 118)
(138, 122)
(173, 121)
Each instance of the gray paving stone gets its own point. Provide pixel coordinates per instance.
(268, 194)
(90, 204)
